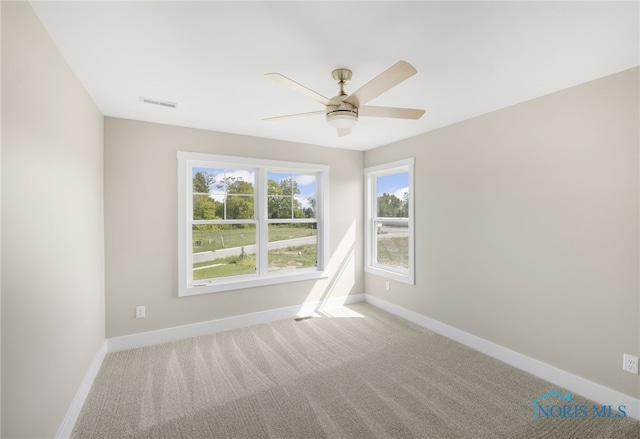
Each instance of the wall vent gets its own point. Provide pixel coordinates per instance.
(158, 102)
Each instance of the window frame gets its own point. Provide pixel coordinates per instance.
(261, 167)
(371, 219)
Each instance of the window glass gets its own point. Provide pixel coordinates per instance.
(292, 246)
(392, 244)
(223, 250)
(393, 195)
(389, 220)
(291, 195)
(249, 222)
(223, 193)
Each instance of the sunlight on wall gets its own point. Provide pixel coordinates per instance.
(342, 265)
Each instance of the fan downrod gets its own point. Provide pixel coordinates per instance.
(341, 77)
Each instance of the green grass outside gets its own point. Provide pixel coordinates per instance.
(223, 267)
(211, 240)
(279, 259)
(394, 252)
(301, 256)
(391, 251)
(280, 233)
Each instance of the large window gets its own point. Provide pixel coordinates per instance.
(389, 220)
(247, 222)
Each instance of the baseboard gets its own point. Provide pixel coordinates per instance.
(81, 395)
(193, 330)
(593, 391)
(176, 333)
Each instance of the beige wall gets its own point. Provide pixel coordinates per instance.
(527, 228)
(141, 226)
(52, 219)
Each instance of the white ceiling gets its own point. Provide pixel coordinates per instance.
(211, 57)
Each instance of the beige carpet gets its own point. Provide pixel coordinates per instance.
(356, 372)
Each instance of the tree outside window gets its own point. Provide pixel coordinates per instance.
(389, 220)
(248, 225)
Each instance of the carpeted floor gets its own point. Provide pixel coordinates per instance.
(354, 372)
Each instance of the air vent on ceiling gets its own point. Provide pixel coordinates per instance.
(159, 102)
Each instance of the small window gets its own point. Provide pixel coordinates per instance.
(246, 222)
(389, 221)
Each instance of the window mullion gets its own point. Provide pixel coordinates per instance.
(197, 225)
(263, 231)
(373, 236)
(188, 242)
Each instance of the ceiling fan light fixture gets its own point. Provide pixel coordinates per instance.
(342, 118)
(342, 111)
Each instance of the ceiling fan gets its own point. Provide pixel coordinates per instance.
(342, 111)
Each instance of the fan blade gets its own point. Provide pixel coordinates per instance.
(297, 87)
(344, 132)
(391, 77)
(398, 113)
(291, 116)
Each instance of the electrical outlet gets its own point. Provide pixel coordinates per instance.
(630, 363)
(140, 312)
(387, 285)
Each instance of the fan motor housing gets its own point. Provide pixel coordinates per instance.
(343, 114)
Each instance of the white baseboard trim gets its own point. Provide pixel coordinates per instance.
(593, 391)
(193, 330)
(71, 417)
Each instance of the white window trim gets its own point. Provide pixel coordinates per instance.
(370, 175)
(186, 286)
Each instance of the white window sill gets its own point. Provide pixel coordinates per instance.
(250, 281)
(405, 277)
